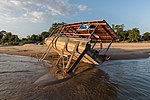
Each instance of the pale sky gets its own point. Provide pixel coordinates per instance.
(26, 17)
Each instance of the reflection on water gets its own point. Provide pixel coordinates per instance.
(133, 77)
(17, 74)
(126, 80)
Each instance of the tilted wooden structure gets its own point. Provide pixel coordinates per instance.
(76, 41)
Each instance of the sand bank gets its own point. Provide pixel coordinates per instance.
(129, 50)
(31, 50)
(117, 50)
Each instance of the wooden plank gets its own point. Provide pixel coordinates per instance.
(86, 22)
(82, 34)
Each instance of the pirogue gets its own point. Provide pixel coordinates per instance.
(78, 42)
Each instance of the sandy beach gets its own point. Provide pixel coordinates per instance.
(117, 51)
(31, 50)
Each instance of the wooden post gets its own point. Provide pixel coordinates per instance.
(62, 55)
(74, 50)
(108, 47)
(79, 58)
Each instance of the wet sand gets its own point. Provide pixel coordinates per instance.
(117, 51)
(91, 84)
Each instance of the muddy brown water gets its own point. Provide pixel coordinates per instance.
(17, 74)
(113, 80)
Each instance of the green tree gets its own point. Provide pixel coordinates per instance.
(23, 41)
(134, 35)
(43, 35)
(119, 29)
(124, 35)
(53, 29)
(7, 37)
(113, 27)
(10, 39)
(2, 34)
(146, 36)
(33, 38)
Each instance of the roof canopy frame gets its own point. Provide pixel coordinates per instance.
(102, 29)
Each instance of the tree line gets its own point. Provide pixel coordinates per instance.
(131, 35)
(7, 38)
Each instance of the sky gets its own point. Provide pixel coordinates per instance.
(27, 17)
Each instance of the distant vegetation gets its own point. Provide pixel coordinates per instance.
(131, 35)
(7, 38)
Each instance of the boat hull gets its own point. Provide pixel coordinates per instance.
(68, 46)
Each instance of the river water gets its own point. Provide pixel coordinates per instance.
(17, 74)
(112, 80)
(132, 77)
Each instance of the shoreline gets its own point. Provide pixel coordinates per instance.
(118, 51)
(122, 51)
(31, 50)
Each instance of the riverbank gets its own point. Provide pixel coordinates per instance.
(117, 51)
(120, 51)
(18, 75)
(31, 50)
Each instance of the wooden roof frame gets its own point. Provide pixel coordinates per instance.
(102, 29)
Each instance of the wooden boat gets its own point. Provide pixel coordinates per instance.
(77, 42)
